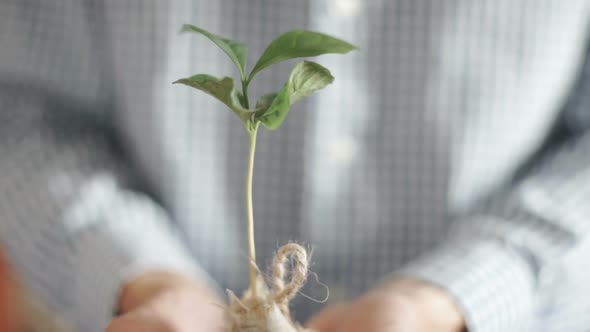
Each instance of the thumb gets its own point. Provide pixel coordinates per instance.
(328, 320)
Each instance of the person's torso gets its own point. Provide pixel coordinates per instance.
(367, 173)
(441, 104)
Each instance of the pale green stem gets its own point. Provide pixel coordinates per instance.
(245, 93)
(250, 210)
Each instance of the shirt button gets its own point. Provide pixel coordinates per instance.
(345, 8)
(343, 150)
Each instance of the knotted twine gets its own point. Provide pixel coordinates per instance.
(268, 310)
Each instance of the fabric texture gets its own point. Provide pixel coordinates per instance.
(451, 147)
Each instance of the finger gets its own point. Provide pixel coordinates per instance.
(328, 319)
(135, 323)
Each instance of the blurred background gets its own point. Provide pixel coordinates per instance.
(105, 165)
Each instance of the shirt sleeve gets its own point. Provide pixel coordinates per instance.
(70, 222)
(518, 261)
(521, 261)
(70, 219)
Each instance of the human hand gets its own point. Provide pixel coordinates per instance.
(399, 306)
(165, 302)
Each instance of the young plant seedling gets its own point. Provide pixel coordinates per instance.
(271, 109)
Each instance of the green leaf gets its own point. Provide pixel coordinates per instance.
(264, 102)
(298, 44)
(236, 51)
(222, 89)
(306, 78)
(273, 116)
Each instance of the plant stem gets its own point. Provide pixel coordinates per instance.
(245, 93)
(250, 209)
